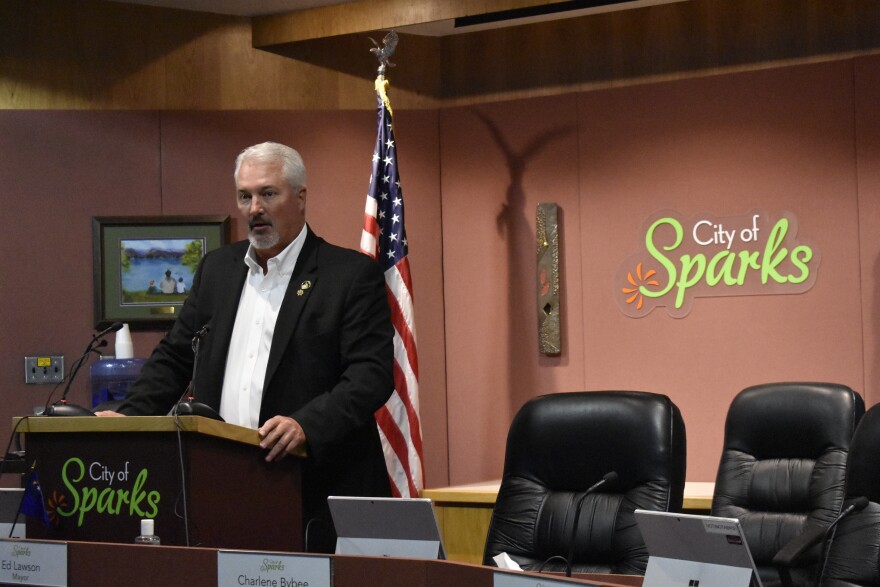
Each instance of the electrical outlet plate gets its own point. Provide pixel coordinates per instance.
(44, 369)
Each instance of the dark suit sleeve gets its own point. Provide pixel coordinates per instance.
(167, 373)
(366, 354)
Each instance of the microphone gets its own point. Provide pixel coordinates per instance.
(100, 345)
(609, 479)
(61, 407)
(191, 407)
(789, 555)
(857, 505)
(116, 326)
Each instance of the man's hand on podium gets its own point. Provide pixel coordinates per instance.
(283, 436)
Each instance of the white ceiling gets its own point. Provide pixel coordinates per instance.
(237, 7)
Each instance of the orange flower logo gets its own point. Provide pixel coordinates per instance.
(633, 292)
(55, 501)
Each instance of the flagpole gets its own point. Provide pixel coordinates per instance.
(384, 239)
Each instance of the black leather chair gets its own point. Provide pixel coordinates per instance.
(854, 546)
(561, 444)
(783, 465)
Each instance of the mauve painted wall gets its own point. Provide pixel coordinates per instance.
(780, 139)
(65, 167)
(803, 139)
(498, 162)
(58, 169)
(777, 140)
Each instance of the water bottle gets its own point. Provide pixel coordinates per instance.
(148, 535)
(110, 378)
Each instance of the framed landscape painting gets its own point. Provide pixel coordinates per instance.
(144, 265)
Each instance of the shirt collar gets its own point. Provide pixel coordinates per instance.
(284, 262)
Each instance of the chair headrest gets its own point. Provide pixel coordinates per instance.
(562, 439)
(792, 420)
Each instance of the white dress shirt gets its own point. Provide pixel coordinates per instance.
(252, 333)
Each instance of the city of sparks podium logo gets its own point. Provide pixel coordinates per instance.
(90, 489)
(707, 256)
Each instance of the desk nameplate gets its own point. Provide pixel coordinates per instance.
(235, 568)
(33, 562)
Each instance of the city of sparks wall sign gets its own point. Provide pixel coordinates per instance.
(707, 256)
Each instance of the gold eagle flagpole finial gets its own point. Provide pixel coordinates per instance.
(383, 53)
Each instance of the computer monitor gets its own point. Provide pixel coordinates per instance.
(386, 526)
(693, 550)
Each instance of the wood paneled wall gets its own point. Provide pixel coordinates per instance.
(91, 54)
(656, 43)
(87, 54)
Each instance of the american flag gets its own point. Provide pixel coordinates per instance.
(384, 239)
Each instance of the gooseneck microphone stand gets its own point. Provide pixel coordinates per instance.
(61, 407)
(187, 404)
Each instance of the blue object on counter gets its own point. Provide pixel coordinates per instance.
(110, 378)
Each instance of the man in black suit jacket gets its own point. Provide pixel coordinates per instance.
(311, 381)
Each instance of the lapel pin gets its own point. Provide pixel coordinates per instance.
(302, 287)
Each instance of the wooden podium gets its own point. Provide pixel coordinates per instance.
(101, 476)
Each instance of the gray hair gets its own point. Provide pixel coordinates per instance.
(292, 165)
